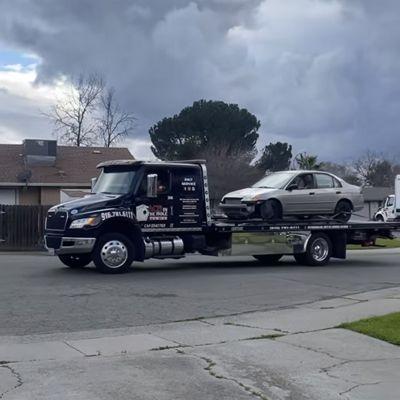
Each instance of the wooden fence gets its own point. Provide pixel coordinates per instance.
(22, 227)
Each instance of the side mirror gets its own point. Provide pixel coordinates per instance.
(152, 185)
(93, 182)
(291, 187)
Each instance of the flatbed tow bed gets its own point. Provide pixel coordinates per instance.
(311, 242)
(115, 229)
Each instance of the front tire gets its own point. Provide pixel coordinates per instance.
(75, 260)
(318, 251)
(271, 210)
(113, 253)
(268, 259)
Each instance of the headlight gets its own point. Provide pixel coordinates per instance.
(80, 223)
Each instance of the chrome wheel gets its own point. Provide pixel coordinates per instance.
(114, 254)
(319, 249)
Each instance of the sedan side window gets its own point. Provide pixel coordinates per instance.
(324, 181)
(303, 181)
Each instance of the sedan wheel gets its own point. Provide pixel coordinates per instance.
(343, 211)
(271, 210)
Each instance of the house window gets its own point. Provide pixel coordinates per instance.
(8, 196)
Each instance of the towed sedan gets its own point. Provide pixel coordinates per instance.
(294, 193)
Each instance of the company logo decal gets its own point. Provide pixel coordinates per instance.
(151, 213)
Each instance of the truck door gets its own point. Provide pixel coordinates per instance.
(389, 209)
(156, 212)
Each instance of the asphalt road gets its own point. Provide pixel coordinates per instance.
(39, 295)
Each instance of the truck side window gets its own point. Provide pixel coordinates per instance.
(163, 181)
(390, 201)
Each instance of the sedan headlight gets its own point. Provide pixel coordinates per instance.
(82, 222)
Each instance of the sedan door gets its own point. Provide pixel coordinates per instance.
(326, 195)
(300, 200)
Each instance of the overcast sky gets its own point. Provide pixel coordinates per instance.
(323, 75)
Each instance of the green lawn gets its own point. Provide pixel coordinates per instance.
(381, 243)
(386, 327)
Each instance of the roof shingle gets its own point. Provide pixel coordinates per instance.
(74, 165)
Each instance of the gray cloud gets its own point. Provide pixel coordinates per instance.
(321, 74)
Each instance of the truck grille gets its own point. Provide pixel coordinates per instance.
(56, 220)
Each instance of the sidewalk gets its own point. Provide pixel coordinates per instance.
(294, 353)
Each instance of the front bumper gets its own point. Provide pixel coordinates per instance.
(69, 245)
(241, 210)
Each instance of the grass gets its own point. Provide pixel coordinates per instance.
(386, 327)
(385, 243)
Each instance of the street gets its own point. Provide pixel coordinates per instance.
(38, 295)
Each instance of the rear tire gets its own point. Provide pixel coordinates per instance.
(318, 251)
(75, 260)
(343, 211)
(268, 259)
(113, 253)
(271, 210)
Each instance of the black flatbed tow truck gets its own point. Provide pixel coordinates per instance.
(140, 210)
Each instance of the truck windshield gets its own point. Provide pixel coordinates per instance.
(276, 180)
(115, 182)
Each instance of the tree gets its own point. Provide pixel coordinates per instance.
(376, 170)
(307, 161)
(73, 114)
(228, 170)
(114, 124)
(383, 174)
(365, 165)
(202, 126)
(276, 157)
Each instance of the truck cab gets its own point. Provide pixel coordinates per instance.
(387, 211)
(136, 210)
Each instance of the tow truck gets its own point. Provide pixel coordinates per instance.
(140, 210)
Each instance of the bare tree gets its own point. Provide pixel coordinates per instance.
(228, 170)
(114, 124)
(73, 114)
(365, 165)
(376, 170)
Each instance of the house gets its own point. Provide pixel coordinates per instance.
(373, 199)
(42, 172)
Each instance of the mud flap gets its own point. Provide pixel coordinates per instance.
(339, 243)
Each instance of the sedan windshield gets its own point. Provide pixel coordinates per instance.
(114, 182)
(276, 180)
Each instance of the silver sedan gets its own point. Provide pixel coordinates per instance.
(295, 193)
